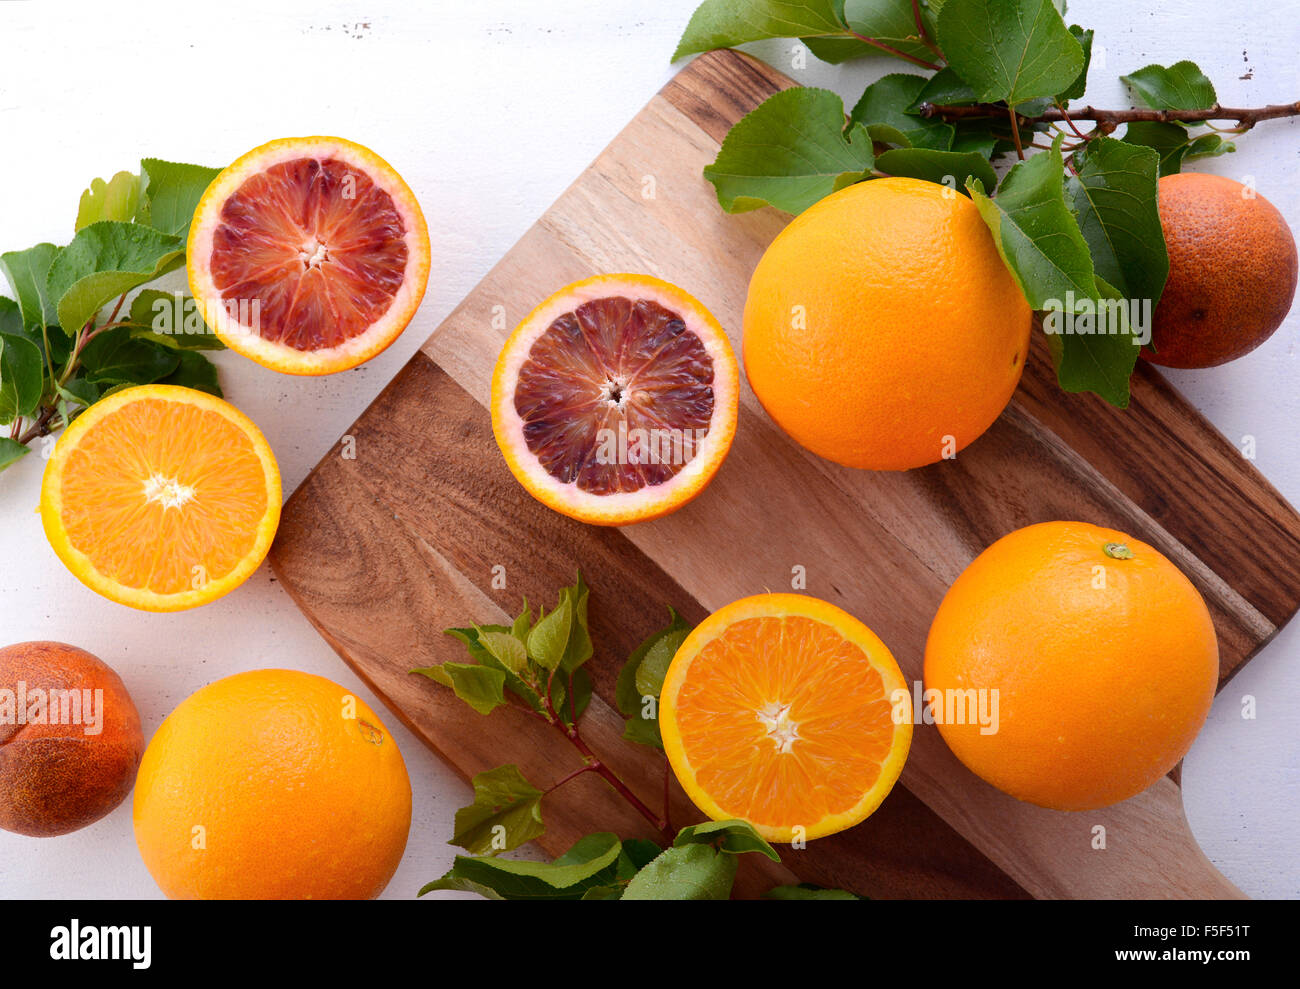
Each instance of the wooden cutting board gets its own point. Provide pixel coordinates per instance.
(407, 526)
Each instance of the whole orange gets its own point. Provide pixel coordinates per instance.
(1232, 271)
(1102, 655)
(70, 739)
(882, 329)
(273, 784)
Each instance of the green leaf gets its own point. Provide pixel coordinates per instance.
(627, 695)
(579, 648)
(1036, 233)
(115, 356)
(948, 168)
(944, 88)
(789, 152)
(806, 891)
(171, 319)
(506, 813)
(653, 667)
(80, 392)
(1169, 140)
(460, 885)
(103, 261)
(886, 101)
(1114, 199)
(506, 649)
(194, 370)
(11, 317)
(727, 23)
(888, 21)
(22, 377)
(116, 199)
(11, 451)
(27, 271)
(1181, 86)
(1092, 353)
(579, 696)
(550, 636)
(590, 863)
(976, 137)
(636, 855)
(523, 623)
(481, 687)
(1208, 146)
(480, 655)
(1080, 84)
(733, 837)
(1012, 50)
(171, 194)
(685, 872)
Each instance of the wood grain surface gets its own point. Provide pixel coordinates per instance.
(384, 549)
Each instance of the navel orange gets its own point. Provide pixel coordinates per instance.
(272, 784)
(615, 400)
(1232, 271)
(882, 329)
(161, 498)
(1102, 655)
(309, 254)
(788, 712)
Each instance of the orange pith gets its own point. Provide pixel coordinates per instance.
(615, 400)
(309, 255)
(780, 709)
(161, 497)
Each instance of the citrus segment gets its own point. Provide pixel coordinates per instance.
(781, 709)
(615, 400)
(161, 497)
(309, 255)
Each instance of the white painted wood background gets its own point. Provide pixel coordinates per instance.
(489, 110)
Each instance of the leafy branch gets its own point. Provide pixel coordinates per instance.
(1079, 231)
(57, 355)
(536, 666)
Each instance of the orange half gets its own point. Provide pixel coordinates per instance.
(161, 498)
(615, 400)
(309, 255)
(787, 712)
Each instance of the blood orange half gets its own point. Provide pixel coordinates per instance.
(309, 255)
(615, 400)
(787, 712)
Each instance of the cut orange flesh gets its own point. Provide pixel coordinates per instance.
(161, 498)
(787, 712)
(615, 400)
(309, 255)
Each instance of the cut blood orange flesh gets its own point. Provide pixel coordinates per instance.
(309, 255)
(161, 498)
(788, 712)
(615, 400)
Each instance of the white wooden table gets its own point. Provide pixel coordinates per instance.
(489, 111)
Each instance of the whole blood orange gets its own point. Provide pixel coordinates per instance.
(1232, 271)
(1095, 655)
(882, 329)
(273, 784)
(788, 712)
(161, 498)
(70, 739)
(308, 254)
(615, 400)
